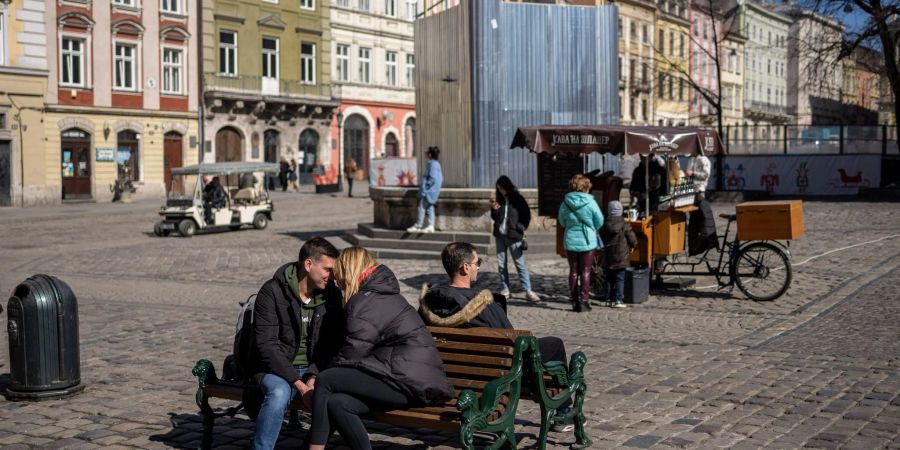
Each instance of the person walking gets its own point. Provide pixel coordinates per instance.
(511, 216)
(580, 215)
(350, 172)
(429, 192)
(387, 361)
(699, 170)
(619, 240)
(292, 176)
(283, 168)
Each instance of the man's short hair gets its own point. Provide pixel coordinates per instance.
(316, 248)
(454, 255)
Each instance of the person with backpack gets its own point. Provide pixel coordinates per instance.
(297, 329)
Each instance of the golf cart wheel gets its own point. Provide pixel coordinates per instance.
(158, 229)
(260, 221)
(187, 228)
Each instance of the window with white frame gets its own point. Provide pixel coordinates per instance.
(308, 4)
(307, 63)
(411, 70)
(172, 71)
(131, 3)
(342, 55)
(411, 9)
(363, 5)
(170, 6)
(390, 63)
(228, 49)
(390, 8)
(125, 70)
(269, 57)
(72, 62)
(2, 39)
(365, 65)
(342, 3)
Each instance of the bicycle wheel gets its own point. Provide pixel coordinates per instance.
(761, 271)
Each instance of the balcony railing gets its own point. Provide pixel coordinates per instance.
(639, 85)
(255, 85)
(765, 108)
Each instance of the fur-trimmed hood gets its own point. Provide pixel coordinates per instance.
(449, 306)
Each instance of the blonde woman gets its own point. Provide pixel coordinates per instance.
(387, 361)
(580, 215)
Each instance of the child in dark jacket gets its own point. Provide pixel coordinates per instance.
(619, 241)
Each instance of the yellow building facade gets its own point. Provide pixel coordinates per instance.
(637, 61)
(672, 58)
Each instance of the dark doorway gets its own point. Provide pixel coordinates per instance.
(271, 140)
(127, 157)
(391, 146)
(172, 156)
(76, 164)
(5, 174)
(309, 149)
(356, 143)
(229, 145)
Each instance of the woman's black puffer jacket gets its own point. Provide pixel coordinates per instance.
(387, 338)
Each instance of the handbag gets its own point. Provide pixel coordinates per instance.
(524, 242)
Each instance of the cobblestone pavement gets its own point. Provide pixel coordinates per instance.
(700, 368)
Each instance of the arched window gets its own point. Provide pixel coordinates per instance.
(391, 146)
(356, 142)
(127, 157)
(309, 149)
(410, 129)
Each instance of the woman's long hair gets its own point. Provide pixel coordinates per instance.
(507, 185)
(350, 266)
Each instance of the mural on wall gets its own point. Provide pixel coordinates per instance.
(392, 172)
(802, 174)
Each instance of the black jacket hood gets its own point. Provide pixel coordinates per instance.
(449, 306)
(381, 281)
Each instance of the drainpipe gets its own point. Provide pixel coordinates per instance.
(201, 146)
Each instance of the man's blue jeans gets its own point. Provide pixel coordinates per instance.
(277, 395)
(424, 207)
(518, 255)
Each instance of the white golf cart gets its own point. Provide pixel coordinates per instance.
(246, 199)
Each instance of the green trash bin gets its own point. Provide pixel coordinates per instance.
(44, 357)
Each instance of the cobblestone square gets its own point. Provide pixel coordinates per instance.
(699, 368)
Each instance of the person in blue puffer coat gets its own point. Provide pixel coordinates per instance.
(429, 192)
(580, 215)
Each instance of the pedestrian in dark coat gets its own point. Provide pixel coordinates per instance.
(620, 241)
(388, 359)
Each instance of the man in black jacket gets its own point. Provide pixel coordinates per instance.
(297, 329)
(458, 305)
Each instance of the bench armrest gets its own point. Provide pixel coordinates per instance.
(570, 379)
(206, 375)
(476, 412)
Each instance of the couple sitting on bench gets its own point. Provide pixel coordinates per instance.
(361, 351)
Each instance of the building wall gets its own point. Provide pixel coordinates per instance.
(672, 58)
(813, 96)
(637, 56)
(765, 71)
(102, 110)
(385, 106)
(707, 33)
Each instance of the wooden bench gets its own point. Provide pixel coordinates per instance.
(485, 366)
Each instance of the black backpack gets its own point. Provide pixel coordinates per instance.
(237, 366)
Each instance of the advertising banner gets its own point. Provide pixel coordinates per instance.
(801, 174)
(393, 172)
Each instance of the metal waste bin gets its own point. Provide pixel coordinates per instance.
(44, 354)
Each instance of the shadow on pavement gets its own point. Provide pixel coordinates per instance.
(307, 235)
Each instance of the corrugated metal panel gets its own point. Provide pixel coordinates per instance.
(533, 65)
(443, 108)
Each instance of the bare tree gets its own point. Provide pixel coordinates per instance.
(723, 15)
(878, 29)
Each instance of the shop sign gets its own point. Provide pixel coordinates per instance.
(106, 154)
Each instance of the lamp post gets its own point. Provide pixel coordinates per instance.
(340, 122)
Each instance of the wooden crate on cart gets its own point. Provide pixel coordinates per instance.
(769, 220)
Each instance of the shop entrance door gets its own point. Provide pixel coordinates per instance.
(173, 157)
(76, 165)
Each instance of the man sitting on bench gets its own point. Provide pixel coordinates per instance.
(297, 329)
(458, 305)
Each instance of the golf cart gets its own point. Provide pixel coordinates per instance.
(196, 202)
